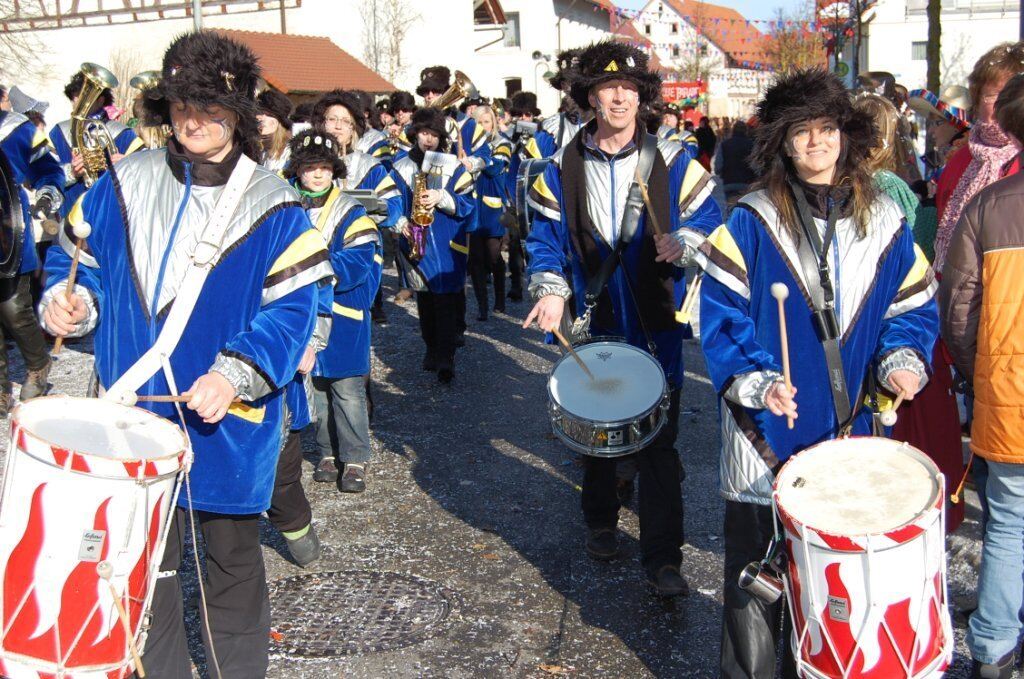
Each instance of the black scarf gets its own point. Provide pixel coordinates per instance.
(652, 283)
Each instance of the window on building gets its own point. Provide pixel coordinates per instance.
(919, 51)
(675, 28)
(647, 29)
(511, 29)
(513, 85)
(675, 51)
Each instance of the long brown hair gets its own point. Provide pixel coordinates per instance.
(850, 172)
(888, 152)
(277, 143)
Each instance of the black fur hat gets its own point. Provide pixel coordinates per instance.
(568, 66)
(401, 101)
(340, 98)
(805, 95)
(207, 69)
(277, 105)
(434, 78)
(429, 118)
(524, 102)
(612, 60)
(314, 146)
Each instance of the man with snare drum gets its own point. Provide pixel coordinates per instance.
(585, 214)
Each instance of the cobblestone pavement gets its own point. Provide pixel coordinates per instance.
(471, 522)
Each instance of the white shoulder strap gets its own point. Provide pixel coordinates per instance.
(206, 252)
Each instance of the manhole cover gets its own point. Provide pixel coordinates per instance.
(350, 612)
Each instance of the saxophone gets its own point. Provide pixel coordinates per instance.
(422, 216)
(90, 138)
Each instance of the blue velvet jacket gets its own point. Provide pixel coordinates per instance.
(492, 198)
(252, 320)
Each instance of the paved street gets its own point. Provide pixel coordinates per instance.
(475, 508)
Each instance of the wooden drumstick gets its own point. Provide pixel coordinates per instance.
(170, 398)
(647, 202)
(780, 292)
(568, 347)
(686, 310)
(106, 571)
(81, 232)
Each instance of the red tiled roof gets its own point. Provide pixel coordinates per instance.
(727, 29)
(297, 64)
(628, 33)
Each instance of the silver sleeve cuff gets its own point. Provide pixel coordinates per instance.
(69, 176)
(54, 194)
(91, 320)
(902, 359)
(400, 224)
(544, 283)
(447, 202)
(751, 389)
(234, 372)
(477, 164)
(321, 333)
(691, 241)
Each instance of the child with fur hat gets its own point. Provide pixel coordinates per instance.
(437, 270)
(581, 220)
(242, 338)
(811, 148)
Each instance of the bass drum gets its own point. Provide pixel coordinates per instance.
(12, 221)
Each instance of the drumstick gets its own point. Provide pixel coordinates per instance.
(105, 570)
(686, 309)
(780, 292)
(568, 347)
(81, 232)
(888, 418)
(171, 398)
(647, 202)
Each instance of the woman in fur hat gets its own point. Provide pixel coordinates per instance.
(436, 269)
(242, 337)
(273, 114)
(811, 148)
(579, 207)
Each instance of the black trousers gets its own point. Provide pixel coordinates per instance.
(485, 258)
(751, 629)
(289, 507)
(660, 500)
(18, 321)
(439, 321)
(515, 262)
(236, 599)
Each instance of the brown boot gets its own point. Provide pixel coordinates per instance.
(36, 384)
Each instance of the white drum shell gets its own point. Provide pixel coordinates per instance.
(59, 517)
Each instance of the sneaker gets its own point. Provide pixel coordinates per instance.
(35, 383)
(326, 471)
(1000, 669)
(354, 479)
(668, 582)
(602, 544)
(305, 550)
(378, 315)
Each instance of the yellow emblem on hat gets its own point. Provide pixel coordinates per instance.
(612, 66)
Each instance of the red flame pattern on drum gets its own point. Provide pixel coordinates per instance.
(84, 635)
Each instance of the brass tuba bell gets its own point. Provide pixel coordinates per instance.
(145, 81)
(461, 89)
(90, 138)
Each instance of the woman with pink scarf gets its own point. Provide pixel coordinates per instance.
(932, 422)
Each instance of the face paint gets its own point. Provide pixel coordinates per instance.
(225, 127)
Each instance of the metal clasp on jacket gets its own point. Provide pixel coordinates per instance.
(205, 253)
(581, 326)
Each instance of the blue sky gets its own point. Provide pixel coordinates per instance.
(751, 9)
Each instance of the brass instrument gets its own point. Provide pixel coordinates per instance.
(462, 88)
(90, 138)
(153, 136)
(422, 217)
(145, 81)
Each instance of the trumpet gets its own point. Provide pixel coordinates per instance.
(90, 137)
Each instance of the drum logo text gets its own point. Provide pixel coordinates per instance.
(839, 609)
(604, 355)
(91, 546)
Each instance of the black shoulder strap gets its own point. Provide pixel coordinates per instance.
(630, 219)
(813, 252)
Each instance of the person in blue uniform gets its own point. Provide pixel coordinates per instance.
(125, 140)
(492, 203)
(579, 203)
(33, 164)
(243, 338)
(879, 321)
(438, 271)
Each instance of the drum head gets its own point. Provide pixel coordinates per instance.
(858, 486)
(628, 382)
(93, 426)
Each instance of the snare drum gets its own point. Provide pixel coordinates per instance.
(866, 580)
(87, 482)
(617, 413)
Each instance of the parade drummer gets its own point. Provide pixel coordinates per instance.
(579, 203)
(243, 336)
(873, 313)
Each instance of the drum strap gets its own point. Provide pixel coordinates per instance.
(813, 252)
(206, 252)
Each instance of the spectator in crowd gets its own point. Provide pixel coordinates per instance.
(706, 141)
(732, 166)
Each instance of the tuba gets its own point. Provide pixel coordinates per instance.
(90, 138)
(462, 88)
(153, 136)
(145, 81)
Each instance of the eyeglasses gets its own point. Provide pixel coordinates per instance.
(339, 122)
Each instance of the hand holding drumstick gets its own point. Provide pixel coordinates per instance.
(780, 397)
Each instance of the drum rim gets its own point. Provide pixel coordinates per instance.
(935, 503)
(178, 454)
(611, 423)
(619, 451)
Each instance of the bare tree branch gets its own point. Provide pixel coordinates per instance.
(386, 24)
(21, 54)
